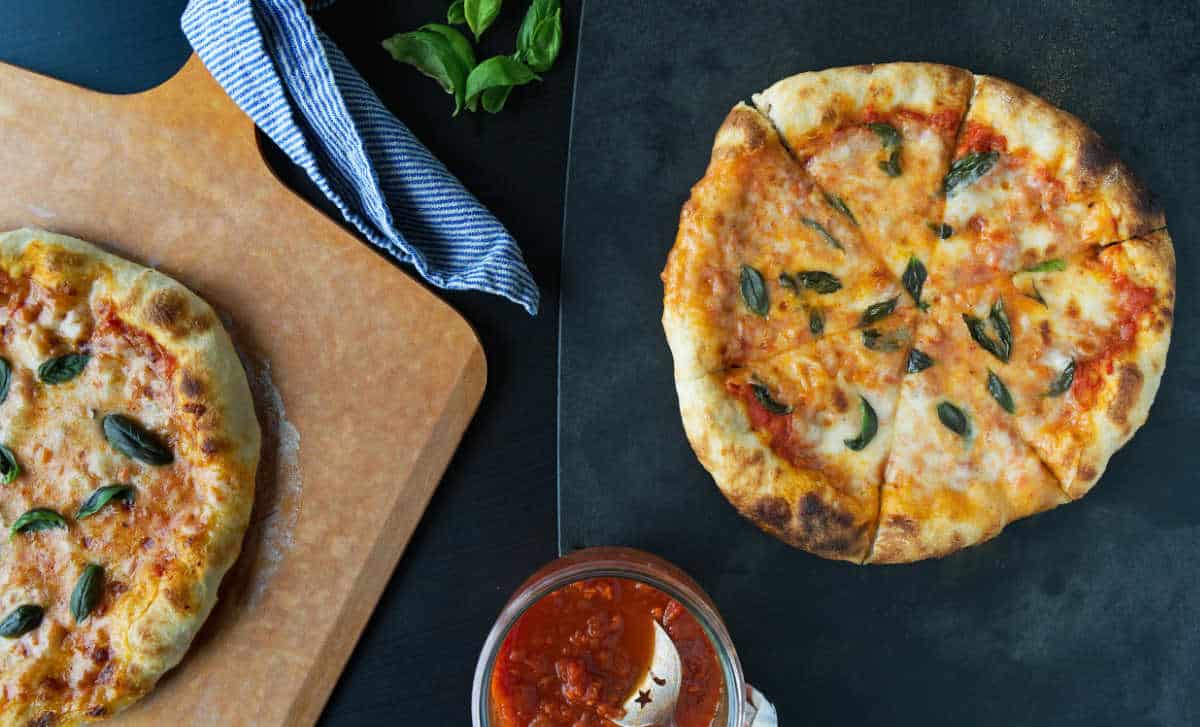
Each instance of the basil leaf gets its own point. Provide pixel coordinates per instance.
(878, 311)
(999, 320)
(954, 419)
(839, 204)
(1063, 383)
(917, 361)
(497, 72)
(494, 99)
(868, 428)
(1056, 265)
(941, 229)
(764, 397)
(820, 229)
(540, 38)
(455, 14)
(5, 378)
(891, 166)
(914, 278)
(21, 620)
(818, 281)
(754, 291)
(1000, 392)
(888, 135)
(435, 54)
(885, 342)
(37, 519)
(1000, 347)
(816, 322)
(968, 169)
(101, 497)
(480, 14)
(1036, 294)
(63, 368)
(9, 468)
(88, 590)
(787, 281)
(131, 440)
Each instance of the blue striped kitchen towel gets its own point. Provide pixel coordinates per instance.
(296, 84)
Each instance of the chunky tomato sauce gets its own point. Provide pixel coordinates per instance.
(977, 137)
(782, 439)
(1133, 302)
(573, 658)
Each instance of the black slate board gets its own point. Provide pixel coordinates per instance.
(1082, 616)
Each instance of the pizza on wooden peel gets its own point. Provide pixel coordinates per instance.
(908, 305)
(128, 457)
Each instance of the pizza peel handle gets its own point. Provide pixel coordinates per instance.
(339, 346)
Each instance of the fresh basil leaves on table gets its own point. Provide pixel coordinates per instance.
(443, 53)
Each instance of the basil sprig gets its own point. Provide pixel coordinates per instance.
(754, 291)
(820, 230)
(1001, 345)
(891, 140)
(1000, 392)
(868, 428)
(456, 14)
(540, 38)
(88, 590)
(9, 467)
(101, 497)
(480, 14)
(491, 81)
(1062, 384)
(818, 281)
(130, 439)
(954, 419)
(37, 519)
(62, 369)
(21, 620)
(440, 52)
(768, 402)
(968, 169)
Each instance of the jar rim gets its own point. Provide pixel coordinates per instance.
(612, 562)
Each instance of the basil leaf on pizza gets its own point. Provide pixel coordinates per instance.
(824, 234)
(763, 395)
(21, 620)
(878, 311)
(61, 369)
(1056, 265)
(954, 419)
(103, 496)
(1000, 392)
(969, 169)
(839, 204)
(914, 279)
(88, 590)
(941, 229)
(754, 291)
(917, 361)
(816, 322)
(36, 520)
(9, 468)
(131, 439)
(868, 428)
(5, 378)
(1063, 383)
(818, 281)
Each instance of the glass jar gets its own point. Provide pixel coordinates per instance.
(616, 563)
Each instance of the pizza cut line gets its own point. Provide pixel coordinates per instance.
(908, 305)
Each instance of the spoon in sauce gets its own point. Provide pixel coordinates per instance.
(652, 700)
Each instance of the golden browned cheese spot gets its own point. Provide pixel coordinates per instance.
(195, 409)
(1086, 472)
(1073, 309)
(190, 385)
(210, 446)
(1129, 385)
(839, 400)
(166, 308)
(904, 524)
(1044, 330)
(773, 511)
(1097, 162)
(752, 130)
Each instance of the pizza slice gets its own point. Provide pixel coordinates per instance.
(959, 470)
(879, 140)
(797, 442)
(1030, 182)
(763, 262)
(1074, 349)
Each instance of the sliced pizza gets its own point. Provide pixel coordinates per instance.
(1074, 349)
(798, 442)
(1030, 182)
(763, 262)
(958, 471)
(879, 140)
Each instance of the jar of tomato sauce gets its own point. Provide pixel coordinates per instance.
(576, 635)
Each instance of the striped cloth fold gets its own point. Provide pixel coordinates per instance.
(298, 87)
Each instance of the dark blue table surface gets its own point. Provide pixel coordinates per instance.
(492, 520)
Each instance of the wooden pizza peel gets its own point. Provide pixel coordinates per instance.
(363, 380)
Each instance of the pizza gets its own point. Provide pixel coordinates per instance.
(908, 305)
(128, 450)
